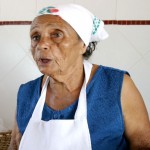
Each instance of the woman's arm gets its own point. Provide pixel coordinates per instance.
(15, 138)
(16, 135)
(137, 124)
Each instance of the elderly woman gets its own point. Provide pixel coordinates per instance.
(76, 105)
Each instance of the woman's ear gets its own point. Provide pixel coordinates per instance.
(84, 45)
(83, 48)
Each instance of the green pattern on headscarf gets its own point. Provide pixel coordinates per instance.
(46, 10)
(96, 24)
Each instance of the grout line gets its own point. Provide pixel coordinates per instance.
(116, 10)
(24, 49)
(107, 22)
(137, 51)
(15, 22)
(13, 68)
(36, 7)
(138, 61)
(125, 37)
(0, 10)
(145, 55)
(30, 57)
(127, 22)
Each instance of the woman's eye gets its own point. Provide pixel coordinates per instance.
(56, 35)
(35, 37)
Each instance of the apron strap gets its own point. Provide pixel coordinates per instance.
(81, 111)
(37, 113)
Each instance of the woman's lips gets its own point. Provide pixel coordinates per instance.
(44, 61)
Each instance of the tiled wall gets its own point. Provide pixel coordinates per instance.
(107, 22)
(127, 48)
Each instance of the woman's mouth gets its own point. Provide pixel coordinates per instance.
(44, 61)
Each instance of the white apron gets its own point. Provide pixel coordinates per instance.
(59, 134)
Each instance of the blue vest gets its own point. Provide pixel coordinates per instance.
(104, 112)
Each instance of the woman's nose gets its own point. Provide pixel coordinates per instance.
(44, 44)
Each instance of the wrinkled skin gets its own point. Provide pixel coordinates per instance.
(57, 41)
(57, 50)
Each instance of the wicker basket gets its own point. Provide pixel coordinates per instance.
(5, 140)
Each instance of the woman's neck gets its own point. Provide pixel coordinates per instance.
(70, 80)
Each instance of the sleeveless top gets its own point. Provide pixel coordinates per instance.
(104, 112)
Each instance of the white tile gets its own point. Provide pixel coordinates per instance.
(21, 34)
(45, 3)
(24, 72)
(18, 10)
(115, 51)
(104, 9)
(0, 9)
(11, 54)
(138, 36)
(140, 74)
(147, 103)
(147, 58)
(18, 35)
(133, 9)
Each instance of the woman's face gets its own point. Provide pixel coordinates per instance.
(55, 46)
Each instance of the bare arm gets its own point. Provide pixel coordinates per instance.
(137, 124)
(15, 138)
(16, 135)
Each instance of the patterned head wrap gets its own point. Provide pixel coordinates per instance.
(87, 26)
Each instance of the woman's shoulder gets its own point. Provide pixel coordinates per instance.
(32, 83)
(30, 86)
(108, 71)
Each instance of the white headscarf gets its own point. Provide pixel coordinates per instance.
(88, 27)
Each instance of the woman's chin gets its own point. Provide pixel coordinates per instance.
(48, 72)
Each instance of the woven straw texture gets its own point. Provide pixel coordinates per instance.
(5, 140)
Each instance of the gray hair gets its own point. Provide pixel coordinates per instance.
(89, 50)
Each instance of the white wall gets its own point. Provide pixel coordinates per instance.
(127, 48)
